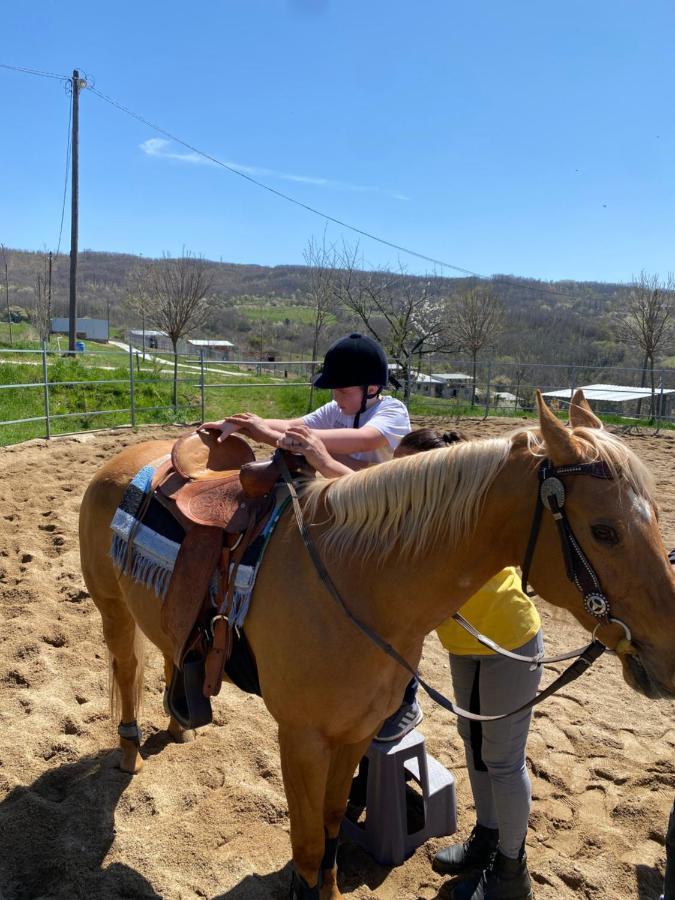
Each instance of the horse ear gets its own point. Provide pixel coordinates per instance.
(560, 445)
(581, 413)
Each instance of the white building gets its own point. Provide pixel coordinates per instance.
(87, 329)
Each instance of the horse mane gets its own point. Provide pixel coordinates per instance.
(407, 504)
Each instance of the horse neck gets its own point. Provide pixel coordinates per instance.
(417, 594)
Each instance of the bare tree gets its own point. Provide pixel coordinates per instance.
(41, 314)
(139, 297)
(400, 311)
(649, 322)
(477, 320)
(324, 279)
(3, 250)
(178, 304)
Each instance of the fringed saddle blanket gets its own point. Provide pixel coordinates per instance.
(156, 541)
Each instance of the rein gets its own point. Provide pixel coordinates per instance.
(578, 568)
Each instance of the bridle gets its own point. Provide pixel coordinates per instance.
(551, 495)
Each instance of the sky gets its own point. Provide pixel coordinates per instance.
(525, 138)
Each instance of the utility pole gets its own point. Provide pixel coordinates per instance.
(77, 84)
(49, 294)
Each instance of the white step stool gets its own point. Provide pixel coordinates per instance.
(385, 833)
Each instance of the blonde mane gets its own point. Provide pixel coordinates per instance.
(410, 503)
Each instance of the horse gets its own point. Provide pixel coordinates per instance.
(406, 544)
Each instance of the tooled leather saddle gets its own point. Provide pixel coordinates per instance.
(222, 497)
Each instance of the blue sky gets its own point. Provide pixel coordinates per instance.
(518, 137)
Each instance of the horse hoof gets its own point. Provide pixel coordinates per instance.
(330, 891)
(131, 760)
(179, 734)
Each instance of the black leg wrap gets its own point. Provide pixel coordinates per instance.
(300, 890)
(330, 853)
(130, 732)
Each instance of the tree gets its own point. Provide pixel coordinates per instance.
(402, 313)
(41, 314)
(3, 250)
(323, 265)
(139, 298)
(177, 299)
(649, 322)
(477, 320)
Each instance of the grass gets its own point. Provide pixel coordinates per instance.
(92, 391)
(100, 397)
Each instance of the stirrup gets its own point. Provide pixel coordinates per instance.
(185, 700)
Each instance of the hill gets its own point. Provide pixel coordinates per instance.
(546, 322)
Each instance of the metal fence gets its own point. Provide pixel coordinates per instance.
(195, 378)
(493, 388)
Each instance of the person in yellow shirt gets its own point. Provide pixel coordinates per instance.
(492, 860)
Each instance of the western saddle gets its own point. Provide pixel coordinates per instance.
(222, 498)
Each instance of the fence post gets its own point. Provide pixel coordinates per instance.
(45, 379)
(659, 408)
(201, 367)
(573, 385)
(487, 391)
(131, 387)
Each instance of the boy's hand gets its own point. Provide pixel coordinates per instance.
(299, 439)
(225, 428)
(252, 426)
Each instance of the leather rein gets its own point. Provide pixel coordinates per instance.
(551, 495)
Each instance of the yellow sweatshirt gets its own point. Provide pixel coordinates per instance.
(500, 610)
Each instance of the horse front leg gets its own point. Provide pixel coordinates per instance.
(305, 761)
(343, 764)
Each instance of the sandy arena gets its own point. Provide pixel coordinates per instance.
(208, 819)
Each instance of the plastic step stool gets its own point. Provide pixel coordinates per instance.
(385, 834)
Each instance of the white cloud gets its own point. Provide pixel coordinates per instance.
(161, 148)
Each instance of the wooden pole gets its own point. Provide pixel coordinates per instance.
(74, 195)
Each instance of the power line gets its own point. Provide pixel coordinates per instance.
(27, 71)
(290, 199)
(326, 216)
(65, 180)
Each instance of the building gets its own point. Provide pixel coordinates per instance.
(456, 385)
(86, 329)
(617, 399)
(147, 340)
(212, 349)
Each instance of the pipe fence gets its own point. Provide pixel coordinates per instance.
(44, 392)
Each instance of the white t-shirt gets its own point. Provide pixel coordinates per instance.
(389, 416)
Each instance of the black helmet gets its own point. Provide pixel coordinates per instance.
(353, 361)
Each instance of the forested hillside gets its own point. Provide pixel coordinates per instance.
(263, 308)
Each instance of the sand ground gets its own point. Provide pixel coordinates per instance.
(209, 819)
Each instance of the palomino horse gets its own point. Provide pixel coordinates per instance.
(407, 543)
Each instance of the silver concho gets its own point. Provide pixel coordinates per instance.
(552, 487)
(597, 605)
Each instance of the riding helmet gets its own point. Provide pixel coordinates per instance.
(351, 361)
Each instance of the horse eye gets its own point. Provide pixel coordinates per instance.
(605, 534)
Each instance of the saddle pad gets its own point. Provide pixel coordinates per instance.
(157, 542)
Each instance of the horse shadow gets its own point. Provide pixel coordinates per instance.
(649, 882)
(56, 832)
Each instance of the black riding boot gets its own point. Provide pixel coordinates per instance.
(468, 858)
(503, 879)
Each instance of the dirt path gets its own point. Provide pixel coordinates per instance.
(209, 819)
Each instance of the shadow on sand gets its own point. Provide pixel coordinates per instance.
(56, 832)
